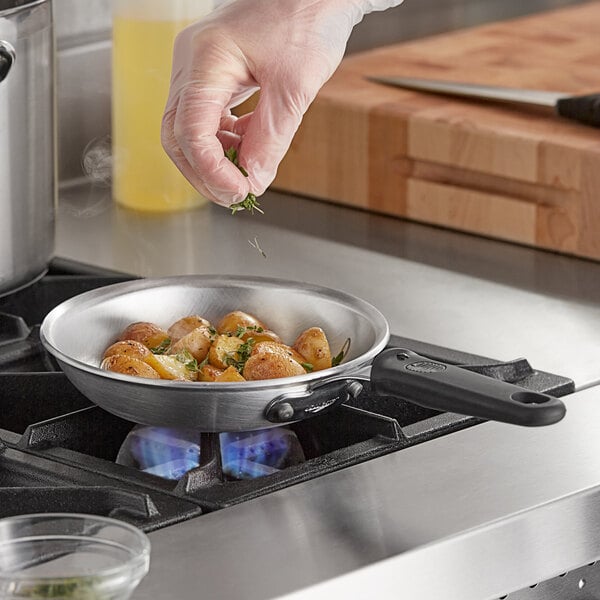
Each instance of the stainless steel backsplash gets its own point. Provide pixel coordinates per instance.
(83, 42)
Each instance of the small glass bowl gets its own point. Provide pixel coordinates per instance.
(68, 556)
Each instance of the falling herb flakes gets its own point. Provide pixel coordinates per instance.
(256, 246)
(250, 203)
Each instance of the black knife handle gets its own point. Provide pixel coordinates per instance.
(403, 374)
(585, 109)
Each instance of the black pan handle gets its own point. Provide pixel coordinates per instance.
(403, 374)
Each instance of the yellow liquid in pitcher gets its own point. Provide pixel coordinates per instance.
(144, 178)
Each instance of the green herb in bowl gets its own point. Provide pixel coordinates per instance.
(73, 588)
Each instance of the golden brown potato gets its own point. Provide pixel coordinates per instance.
(262, 336)
(209, 373)
(129, 365)
(193, 350)
(186, 325)
(278, 348)
(169, 367)
(197, 343)
(231, 321)
(312, 344)
(128, 348)
(149, 334)
(271, 365)
(223, 350)
(229, 374)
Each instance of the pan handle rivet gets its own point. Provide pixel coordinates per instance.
(354, 389)
(285, 412)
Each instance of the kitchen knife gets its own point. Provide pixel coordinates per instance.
(584, 109)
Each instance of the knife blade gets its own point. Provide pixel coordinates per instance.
(584, 109)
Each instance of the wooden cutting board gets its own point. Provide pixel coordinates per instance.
(520, 175)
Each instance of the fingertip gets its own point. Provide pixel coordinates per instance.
(260, 180)
(225, 199)
(261, 172)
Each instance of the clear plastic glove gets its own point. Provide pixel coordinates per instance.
(286, 48)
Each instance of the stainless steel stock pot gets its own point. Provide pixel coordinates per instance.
(27, 141)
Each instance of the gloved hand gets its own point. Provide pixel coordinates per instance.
(288, 49)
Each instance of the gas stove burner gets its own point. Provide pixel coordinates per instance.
(58, 452)
(171, 453)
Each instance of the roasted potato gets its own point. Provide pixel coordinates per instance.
(278, 348)
(236, 319)
(230, 374)
(127, 348)
(170, 367)
(129, 365)
(240, 348)
(208, 373)
(186, 325)
(271, 365)
(197, 343)
(312, 344)
(223, 350)
(266, 335)
(149, 334)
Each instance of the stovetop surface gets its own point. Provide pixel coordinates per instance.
(58, 452)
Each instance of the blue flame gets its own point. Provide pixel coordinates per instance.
(170, 453)
(252, 454)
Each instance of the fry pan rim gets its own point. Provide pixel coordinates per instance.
(104, 293)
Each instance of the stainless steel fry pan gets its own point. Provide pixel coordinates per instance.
(79, 330)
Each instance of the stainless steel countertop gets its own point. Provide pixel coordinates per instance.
(475, 514)
(470, 516)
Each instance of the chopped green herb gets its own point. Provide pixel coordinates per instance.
(162, 347)
(190, 363)
(308, 367)
(255, 245)
(241, 330)
(242, 354)
(231, 154)
(249, 203)
(336, 360)
(76, 589)
(203, 363)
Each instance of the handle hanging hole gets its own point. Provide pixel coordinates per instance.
(530, 398)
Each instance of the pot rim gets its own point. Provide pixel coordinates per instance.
(15, 9)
